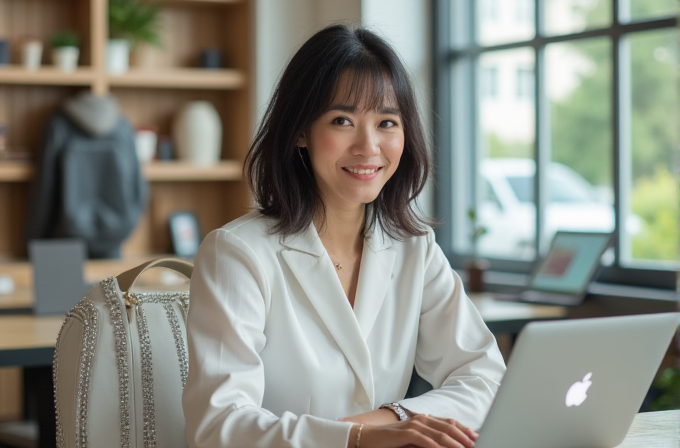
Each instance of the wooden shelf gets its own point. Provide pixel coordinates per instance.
(175, 171)
(47, 75)
(158, 84)
(182, 171)
(191, 78)
(15, 171)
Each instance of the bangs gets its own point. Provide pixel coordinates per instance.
(367, 85)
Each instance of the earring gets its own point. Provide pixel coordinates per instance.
(302, 158)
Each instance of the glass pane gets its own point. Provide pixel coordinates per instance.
(573, 16)
(652, 198)
(579, 180)
(506, 141)
(502, 21)
(648, 9)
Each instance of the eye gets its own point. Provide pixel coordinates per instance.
(388, 124)
(342, 121)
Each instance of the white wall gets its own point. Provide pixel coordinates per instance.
(281, 26)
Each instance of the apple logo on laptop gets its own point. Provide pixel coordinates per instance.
(577, 393)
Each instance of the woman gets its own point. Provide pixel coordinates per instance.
(308, 315)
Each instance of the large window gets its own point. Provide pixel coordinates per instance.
(559, 114)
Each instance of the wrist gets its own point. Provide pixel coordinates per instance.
(354, 439)
(399, 411)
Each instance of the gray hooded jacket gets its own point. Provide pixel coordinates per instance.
(88, 182)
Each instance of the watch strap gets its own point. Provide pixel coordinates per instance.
(397, 409)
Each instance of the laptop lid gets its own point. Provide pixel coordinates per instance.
(57, 274)
(577, 382)
(571, 263)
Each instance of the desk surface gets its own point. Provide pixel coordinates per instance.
(495, 310)
(654, 430)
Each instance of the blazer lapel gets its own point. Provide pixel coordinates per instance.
(314, 271)
(377, 262)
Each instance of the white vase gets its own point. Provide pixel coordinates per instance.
(197, 131)
(65, 58)
(117, 56)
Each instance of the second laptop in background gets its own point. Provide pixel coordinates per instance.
(563, 275)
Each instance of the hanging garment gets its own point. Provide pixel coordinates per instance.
(88, 182)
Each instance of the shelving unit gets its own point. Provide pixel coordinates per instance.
(150, 94)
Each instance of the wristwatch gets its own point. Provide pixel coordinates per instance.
(397, 409)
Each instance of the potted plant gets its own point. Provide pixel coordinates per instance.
(475, 266)
(130, 23)
(65, 50)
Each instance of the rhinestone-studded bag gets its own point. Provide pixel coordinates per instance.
(120, 365)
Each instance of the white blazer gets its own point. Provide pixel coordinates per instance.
(277, 354)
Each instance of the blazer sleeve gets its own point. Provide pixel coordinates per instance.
(223, 396)
(456, 353)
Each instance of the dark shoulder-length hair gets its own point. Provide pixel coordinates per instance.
(277, 170)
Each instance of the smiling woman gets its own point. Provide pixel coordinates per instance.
(308, 316)
(354, 149)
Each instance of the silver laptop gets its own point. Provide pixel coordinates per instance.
(577, 383)
(57, 274)
(563, 275)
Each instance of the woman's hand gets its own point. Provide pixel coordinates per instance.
(420, 431)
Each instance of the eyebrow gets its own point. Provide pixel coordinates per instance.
(352, 109)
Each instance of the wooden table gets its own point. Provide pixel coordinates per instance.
(654, 430)
(27, 340)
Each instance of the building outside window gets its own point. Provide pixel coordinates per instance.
(586, 140)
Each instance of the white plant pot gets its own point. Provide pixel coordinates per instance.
(117, 56)
(31, 55)
(66, 58)
(197, 131)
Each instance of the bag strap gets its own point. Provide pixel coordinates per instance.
(128, 278)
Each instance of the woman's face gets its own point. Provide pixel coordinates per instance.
(354, 151)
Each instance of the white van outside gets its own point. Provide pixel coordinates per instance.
(508, 211)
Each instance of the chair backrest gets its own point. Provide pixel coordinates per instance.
(120, 366)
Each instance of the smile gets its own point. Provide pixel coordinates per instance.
(361, 170)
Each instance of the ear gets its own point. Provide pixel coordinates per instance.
(302, 141)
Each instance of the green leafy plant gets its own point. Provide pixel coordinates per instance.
(668, 385)
(65, 39)
(476, 232)
(134, 21)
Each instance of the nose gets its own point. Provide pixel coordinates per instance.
(367, 143)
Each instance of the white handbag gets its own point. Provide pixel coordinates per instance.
(120, 365)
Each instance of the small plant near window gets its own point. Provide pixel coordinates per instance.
(475, 266)
(477, 231)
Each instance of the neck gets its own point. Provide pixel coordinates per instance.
(341, 232)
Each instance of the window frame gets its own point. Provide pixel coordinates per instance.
(455, 191)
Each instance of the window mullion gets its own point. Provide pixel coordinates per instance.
(542, 134)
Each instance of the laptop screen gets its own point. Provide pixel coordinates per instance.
(571, 262)
(57, 274)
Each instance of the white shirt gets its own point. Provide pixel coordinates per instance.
(277, 354)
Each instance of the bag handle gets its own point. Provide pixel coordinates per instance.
(128, 278)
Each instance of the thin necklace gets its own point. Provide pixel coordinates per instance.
(338, 266)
